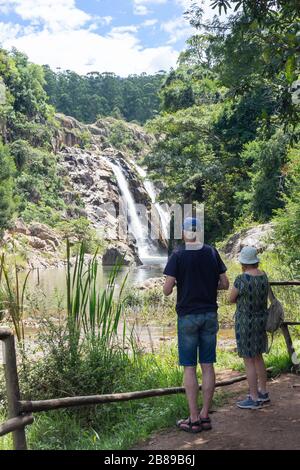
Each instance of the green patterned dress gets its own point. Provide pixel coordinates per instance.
(251, 315)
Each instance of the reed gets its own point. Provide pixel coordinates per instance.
(12, 295)
(93, 313)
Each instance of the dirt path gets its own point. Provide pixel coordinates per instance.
(276, 426)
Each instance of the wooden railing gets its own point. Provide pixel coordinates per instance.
(20, 412)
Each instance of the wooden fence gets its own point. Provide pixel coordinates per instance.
(20, 412)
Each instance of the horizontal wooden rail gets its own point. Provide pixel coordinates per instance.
(14, 424)
(285, 283)
(54, 404)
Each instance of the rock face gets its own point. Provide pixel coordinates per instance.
(70, 132)
(259, 236)
(35, 241)
(91, 188)
(92, 178)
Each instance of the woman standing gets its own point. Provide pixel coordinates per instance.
(250, 293)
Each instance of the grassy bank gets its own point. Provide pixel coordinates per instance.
(84, 355)
(120, 426)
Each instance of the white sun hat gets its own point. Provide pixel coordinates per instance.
(248, 255)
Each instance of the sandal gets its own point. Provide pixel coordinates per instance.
(206, 423)
(188, 426)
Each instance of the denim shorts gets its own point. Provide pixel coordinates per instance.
(197, 338)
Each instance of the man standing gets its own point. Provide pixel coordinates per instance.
(198, 272)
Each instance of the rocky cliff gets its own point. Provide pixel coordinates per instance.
(91, 191)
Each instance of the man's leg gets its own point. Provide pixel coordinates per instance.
(192, 391)
(208, 388)
(207, 357)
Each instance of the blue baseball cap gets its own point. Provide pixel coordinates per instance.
(191, 224)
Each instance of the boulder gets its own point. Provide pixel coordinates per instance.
(20, 227)
(37, 243)
(43, 232)
(115, 253)
(259, 236)
(151, 283)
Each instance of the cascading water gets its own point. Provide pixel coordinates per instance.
(163, 213)
(135, 224)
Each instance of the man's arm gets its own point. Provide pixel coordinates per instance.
(223, 282)
(170, 282)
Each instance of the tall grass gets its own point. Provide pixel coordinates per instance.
(93, 314)
(12, 295)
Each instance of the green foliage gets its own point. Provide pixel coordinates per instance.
(287, 221)
(265, 160)
(6, 186)
(80, 229)
(227, 116)
(93, 311)
(26, 111)
(20, 150)
(261, 45)
(38, 183)
(134, 98)
(12, 295)
(122, 137)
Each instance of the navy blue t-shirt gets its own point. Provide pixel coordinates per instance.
(197, 274)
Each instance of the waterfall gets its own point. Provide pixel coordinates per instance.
(135, 224)
(149, 186)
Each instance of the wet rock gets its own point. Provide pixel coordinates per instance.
(113, 254)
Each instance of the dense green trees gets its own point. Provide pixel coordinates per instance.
(288, 218)
(134, 98)
(225, 121)
(6, 185)
(228, 118)
(29, 181)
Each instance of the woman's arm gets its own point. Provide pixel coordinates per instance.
(234, 293)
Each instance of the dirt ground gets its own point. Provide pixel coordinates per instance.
(275, 426)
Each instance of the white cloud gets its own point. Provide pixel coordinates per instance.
(64, 36)
(84, 51)
(120, 30)
(184, 3)
(61, 15)
(140, 7)
(148, 23)
(178, 28)
(99, 21)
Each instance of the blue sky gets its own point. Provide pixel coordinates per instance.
(121, 36)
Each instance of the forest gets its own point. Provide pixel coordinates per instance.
(221, 128)
(226, 121)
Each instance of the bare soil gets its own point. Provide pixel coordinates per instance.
(275, 426)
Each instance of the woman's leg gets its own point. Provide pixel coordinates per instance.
(251, 377)
(261, 373)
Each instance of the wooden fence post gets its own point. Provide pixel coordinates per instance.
(289, 345)
(13, 391)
